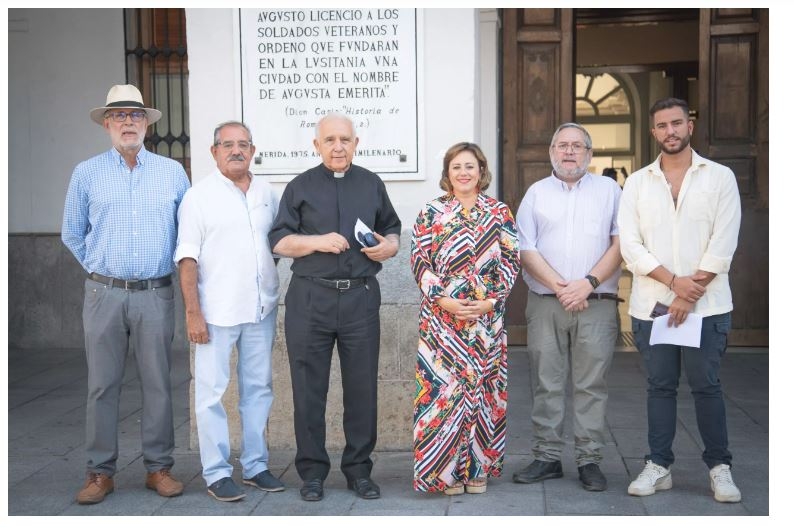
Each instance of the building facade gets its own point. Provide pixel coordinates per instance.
(503, 78)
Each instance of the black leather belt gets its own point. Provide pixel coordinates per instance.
(591, 296)
(337, 283)
(131, 285)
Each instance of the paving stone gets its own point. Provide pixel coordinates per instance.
(46, 457)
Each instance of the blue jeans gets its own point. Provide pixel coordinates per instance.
(254, 343)
(663, 368)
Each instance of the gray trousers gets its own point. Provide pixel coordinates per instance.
(584, 343)
(114, 319)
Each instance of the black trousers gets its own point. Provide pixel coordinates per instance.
(316, 318)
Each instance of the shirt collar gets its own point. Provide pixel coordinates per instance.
(480, 204)
(697, 161)
(228, 183)
(140, 157)
(578, 184)
(329, 173)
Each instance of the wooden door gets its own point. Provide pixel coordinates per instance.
(733, 129)
(537, 96)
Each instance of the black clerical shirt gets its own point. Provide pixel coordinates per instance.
(316, 203)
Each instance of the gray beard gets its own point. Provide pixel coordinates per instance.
(569, 174)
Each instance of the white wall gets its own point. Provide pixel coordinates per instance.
(450, 93)
(61, 63)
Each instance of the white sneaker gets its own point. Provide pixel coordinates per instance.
(722, 484)
(650, 480)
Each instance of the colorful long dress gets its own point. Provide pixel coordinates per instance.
(461, 371)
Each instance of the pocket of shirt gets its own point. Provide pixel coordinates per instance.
(260, 216)
(698, 205)
(650, 213)
(594, 226)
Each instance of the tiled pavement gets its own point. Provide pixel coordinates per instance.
(46, 407)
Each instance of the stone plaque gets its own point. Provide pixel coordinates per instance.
(298, 65)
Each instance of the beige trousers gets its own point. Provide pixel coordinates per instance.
(583, 344)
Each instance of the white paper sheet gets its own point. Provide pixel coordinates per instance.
(687, 334)
(362, 229)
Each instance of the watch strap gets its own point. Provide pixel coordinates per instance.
(595, 282)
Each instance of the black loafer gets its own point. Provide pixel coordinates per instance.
(312, 489)
(537, 471)
(592, 478)
(364, 488)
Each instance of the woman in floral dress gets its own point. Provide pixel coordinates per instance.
(464, 256)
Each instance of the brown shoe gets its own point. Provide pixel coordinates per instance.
(163, 483)
(96, 487)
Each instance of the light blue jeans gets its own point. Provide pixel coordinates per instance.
(254, 343)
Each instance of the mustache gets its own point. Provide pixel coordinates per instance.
(239, 158)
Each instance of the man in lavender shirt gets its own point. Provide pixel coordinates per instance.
(570, 254)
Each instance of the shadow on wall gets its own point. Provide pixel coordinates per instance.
(45, 295)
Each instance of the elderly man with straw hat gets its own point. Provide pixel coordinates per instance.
(119, 221)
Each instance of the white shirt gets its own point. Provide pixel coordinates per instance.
(701, 232)
(225, 231)
(571, 228)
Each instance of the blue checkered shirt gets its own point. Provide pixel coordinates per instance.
(122, 223)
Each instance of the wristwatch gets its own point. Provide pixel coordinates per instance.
(593, 281)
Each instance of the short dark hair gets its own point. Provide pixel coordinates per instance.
(669, 103)
(455, 150)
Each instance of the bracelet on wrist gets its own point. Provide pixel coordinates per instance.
(670, 285)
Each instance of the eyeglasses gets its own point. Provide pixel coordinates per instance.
(242, 145)
(576, 148)
(121, 115)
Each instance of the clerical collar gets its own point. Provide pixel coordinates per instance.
(335, 174)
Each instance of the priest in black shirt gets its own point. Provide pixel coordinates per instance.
(334, 297)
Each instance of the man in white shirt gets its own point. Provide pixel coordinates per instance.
(679, 225)
(230, 286)
(570, 253)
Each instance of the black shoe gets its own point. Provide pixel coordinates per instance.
(364, 488)
(538, 470)
(312, 489)
(265, 481)
(226, 490)
(592, 478)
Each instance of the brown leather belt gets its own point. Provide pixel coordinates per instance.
(131, 285)
(591, 296)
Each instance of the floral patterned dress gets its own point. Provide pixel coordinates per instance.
(461, 370)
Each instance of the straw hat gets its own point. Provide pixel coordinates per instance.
(124, 97)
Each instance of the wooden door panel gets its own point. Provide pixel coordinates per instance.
(733, 130)
(538, 92)
(537, 95)
(733, 80)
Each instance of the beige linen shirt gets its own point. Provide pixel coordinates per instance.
(700, 232)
